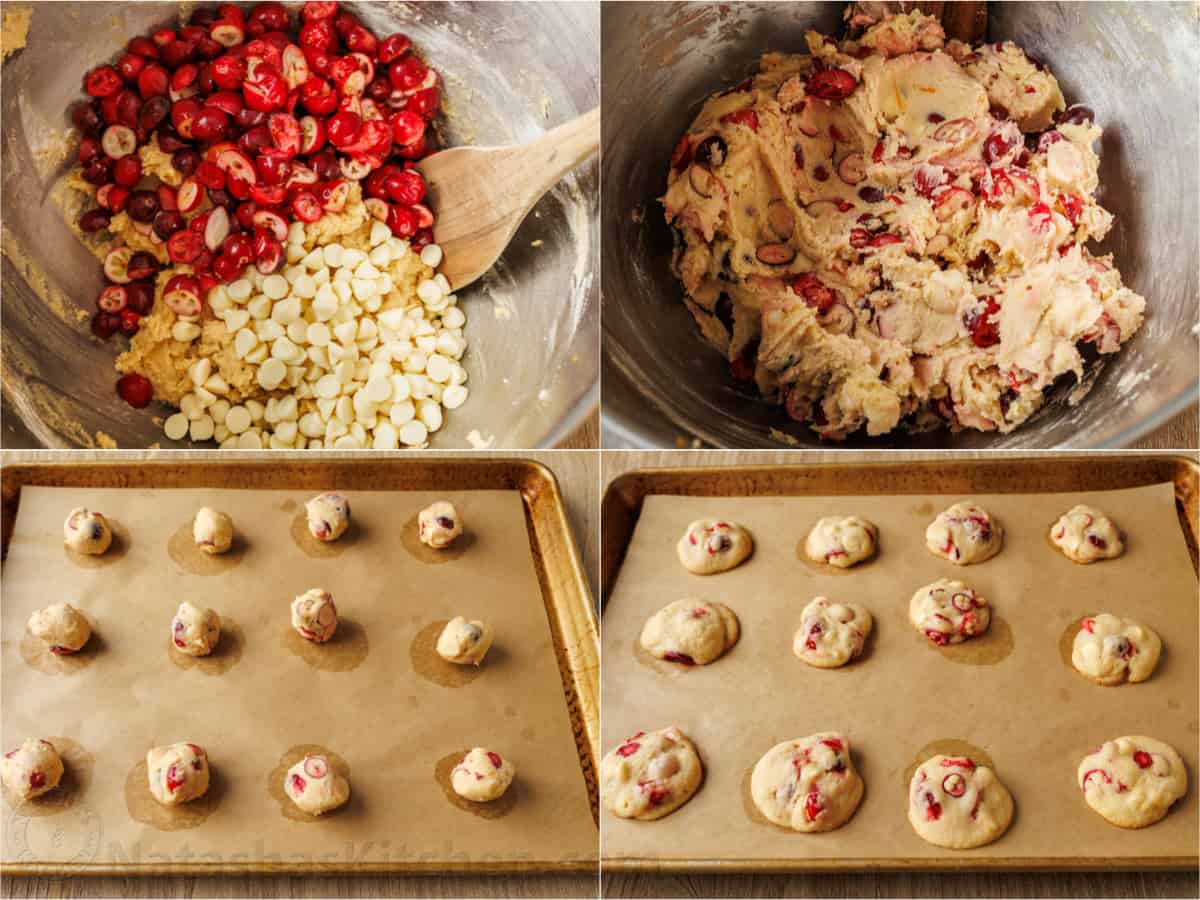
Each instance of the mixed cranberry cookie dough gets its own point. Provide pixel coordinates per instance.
(248, 182)
(891, 232)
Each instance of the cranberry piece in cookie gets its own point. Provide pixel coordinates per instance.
(650, 775)
(482, 776)
(439, 524)
(957, 803)
(177, 773)
(1085, 534)
(809, 784)
(841, 541)
(690, 632)
(1132, 781)
(831, 634)
(1110, 650)
(710, 546)
(949, 612)
(32, 769)
(965, 534)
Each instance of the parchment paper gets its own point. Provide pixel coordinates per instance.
(1012, 694)
(364, 700)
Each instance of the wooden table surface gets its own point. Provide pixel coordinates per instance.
(908, 884)
(578, 479)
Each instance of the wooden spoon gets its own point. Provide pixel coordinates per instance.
(482, 194)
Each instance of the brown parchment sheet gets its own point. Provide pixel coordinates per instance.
(1011, 694)
(374, 697)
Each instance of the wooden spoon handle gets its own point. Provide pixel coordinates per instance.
(559, 151)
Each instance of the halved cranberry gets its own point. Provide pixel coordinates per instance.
(318, 96)
(178, 53)
(402, 221)
(113, 197)
(268, 194)
(118, 141)
(333, 195)
(747, 117)
(226, 268)
(141, 265)
(285, 133)
(240, 247)
(1041, 218)
(814, 291)
(393, 47)
(153, 81)
(102, 82)
(236, 164)
(831, 84)
(182, 295)
(979, 322)
(297, 784)
(113, 298)
(185, 246)
(933, 809)
(1072, 206)
(426, 103)
(266, 92)
(86, 117)
(229, 32)
(628, 749)
(996, 147)
(495, 759)
(359, 40)
(135, 389)
(928, 178)
(954, 784)
(306, 207)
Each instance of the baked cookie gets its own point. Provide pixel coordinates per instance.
(710, 546)
(177, 773)
(328, 516)
(314, 787)
(949, 612)
(1110, 650)
(965, 534)
(32, 769)
(650, 775)
(195, 631)
(954, 802)
(314, 615)
(1084, 534)
(212, 530)
(439, 524)
(464, 642)
(690, 631)
(831, 634)
(62, 627)
(841, 541)
(87, 532)
(808, 784)
(482, 776)
(1132, 781)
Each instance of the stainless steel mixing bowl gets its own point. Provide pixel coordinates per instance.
(1135, 64)
(511, 71)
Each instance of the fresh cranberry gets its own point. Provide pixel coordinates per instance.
(408, 127)
(130, 321)
(128, 170)
(267, 91)
(178, 53)
(312, 10)
(130, 66)
(273, 166)
(979, 322)
(407, 73)
(426, 103)
(102, 82)
(143, 46)
(228, 72)
(318, 97)
(359, 40)
(105, 325)
(343, 128)
(89, 149)
(140, 296)
(166, 223)
(185, 246)
(153, 81)
(135, 389)
(211, 124)
(210, 175)
(393, 47)
(318, 34)
(141, 265)
(831, 84)
(86, 117)
(163, 36)
(98, 171)
(143, 206)
(1072, 206)
(270, 16)
(113, 197)
(229, 102)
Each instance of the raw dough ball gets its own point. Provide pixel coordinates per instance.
(314, 615)
(650, 775)
(955, 803)
(62, 627)
(831, 634)
(87, 532)
(1132, 781)
(482, 776)
(464, 642)
(949, 612)
(964, 534)
(314, 787)
(690, 631)
(439, 524)
(1110, 650)
(328, 516)
(212, 530)
(32, 769)
(195, 631)
(808, 784)
(177, 773)
(841, 541)
(710, 546)
(1085, 534)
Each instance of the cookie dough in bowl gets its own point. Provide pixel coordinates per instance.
(1111, 650)
(809, 784)
(177, 773)
(710, 546)
(62, 627)
(650, 775)
(690, 632)
(841, 541)
(482, 776)
(1084, 534)
(315, 787)
(1132, 781)
(87, 532)
(965, 534)
(959, 804)
(831, 634)
(32, 769)
(877, 242)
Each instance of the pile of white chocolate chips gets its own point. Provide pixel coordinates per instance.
(890, 232)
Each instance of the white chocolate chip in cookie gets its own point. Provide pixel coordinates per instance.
(956, 803)
(87, 532)
(1110, 650)
(32, 769)
(177, 773)
(463, 642)
(314, 786)
(690, 632)
(949, 612)
(809, 784)
(439, 524)
(1132, 781)
(831, 634)
(62, 627)
(328, 516)
(841, 541)
(212, 530)
(710, 546)
(1084, 534)
(965, 534)
(195, 631)
(482, 776)
(650, 775)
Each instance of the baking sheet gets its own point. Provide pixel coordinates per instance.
(376, 699)
(1012, 693)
